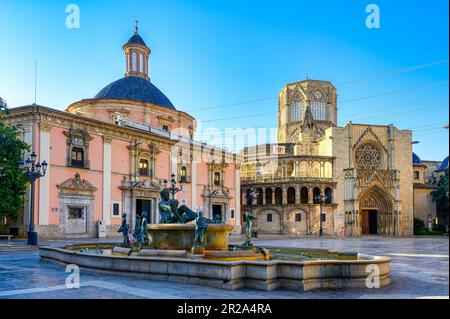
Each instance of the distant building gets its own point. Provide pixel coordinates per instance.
(107, 155)
(424, 184)
(363, 171)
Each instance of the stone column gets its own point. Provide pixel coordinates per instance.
(264, 196)
(284, 195)
(310, 195)
(27, 138)
(194, 187)
(107, 180)
(297, 194)
(273, 195)
(44, 182)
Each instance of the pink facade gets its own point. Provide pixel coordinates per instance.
(108, 155)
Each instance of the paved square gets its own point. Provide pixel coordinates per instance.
(419, 270)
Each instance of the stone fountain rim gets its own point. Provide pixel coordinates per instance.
(189, 226)
(368, 259)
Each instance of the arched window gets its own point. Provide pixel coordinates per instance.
(278, 196)
(269, 196)
(318, 110)
(295, 112)
(133, 62)
(259, 198)
(328, 195)
(304, 195)
(416, 175)
(291, 195)
(141, 63)
(316, 194)
(247, 199)
(294, 137)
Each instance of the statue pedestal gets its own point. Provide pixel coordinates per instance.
(181, 236)
(198, 250)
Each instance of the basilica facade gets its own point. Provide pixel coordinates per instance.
(110, 154)
(360, 176)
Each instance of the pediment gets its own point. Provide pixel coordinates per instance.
(77, 184)
(369, 135)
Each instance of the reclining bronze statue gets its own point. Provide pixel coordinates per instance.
(170, 213)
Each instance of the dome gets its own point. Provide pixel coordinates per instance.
(443, 166)
(137, 89)
(136, 39)
(416, 159)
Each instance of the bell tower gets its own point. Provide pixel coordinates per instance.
(305, 108)
(136, 56)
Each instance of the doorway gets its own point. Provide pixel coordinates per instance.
(217, 212)
(370, 222)
(143, 208)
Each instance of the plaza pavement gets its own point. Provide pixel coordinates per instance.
(419, 269)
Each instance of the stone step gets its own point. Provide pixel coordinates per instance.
(17, 248)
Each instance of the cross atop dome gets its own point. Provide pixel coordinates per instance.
(137, 55)
(136, 29)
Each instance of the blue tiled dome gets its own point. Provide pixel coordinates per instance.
(416, 159)
(136, 39)
(136, 89)
(443, 166)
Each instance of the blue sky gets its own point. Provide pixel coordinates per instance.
(215, 52)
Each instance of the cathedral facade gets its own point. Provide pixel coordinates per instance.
(360, 176)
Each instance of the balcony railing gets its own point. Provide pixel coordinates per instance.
(268, 180)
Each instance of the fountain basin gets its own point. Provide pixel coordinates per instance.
(181, 236)
(353, 270)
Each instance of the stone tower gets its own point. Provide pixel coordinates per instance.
(305, 110)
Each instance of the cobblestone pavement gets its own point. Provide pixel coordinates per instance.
(419, 269)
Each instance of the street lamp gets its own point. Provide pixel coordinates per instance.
(32, 171)
(320, 199)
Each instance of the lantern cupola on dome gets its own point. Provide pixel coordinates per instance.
(137, 55)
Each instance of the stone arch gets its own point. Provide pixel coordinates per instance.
(304, 195)
(376, 209)
(291, 195)
(259, 196)
(304, 169)
(294, 137)
(278, 196)
(316, 169)
(268, 194)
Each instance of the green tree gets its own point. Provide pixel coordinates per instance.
(12, 184)
(440, 197)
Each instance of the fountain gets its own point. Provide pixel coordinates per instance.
(188, 247)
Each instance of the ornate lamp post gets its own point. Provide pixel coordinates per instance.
(320, 199)
(32, 171)
(173, 189)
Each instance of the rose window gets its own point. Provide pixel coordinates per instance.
(368, 156)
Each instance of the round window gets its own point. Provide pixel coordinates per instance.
(368, 156)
